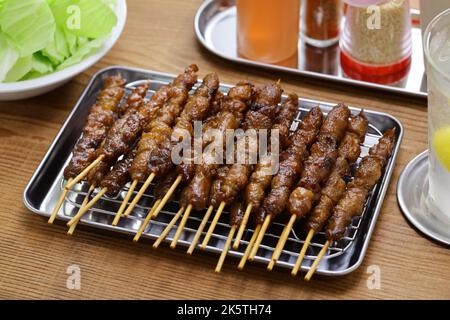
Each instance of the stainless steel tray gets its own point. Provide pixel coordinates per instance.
(215, 27)
(46, 184)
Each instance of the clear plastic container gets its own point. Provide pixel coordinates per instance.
(321, 22)
(376, 41)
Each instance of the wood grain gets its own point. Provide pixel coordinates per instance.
(159, 35)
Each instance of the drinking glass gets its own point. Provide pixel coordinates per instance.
(267, 30)
(437, 57)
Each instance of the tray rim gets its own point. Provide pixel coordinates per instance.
(305, 73)
(376, 210)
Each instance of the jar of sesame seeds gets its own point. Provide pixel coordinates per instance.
(376, 43)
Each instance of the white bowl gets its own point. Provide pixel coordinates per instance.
(34, 87)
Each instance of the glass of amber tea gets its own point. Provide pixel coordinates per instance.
(268, 30)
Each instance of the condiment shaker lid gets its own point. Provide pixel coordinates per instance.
(364, 3)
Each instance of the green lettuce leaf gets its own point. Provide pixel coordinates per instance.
(83, 51)
(28, 23)
(38, 37)
(19, 70)
(85, 18)
(71, 40)
(40, 66)
(58, 50)
(8, 56)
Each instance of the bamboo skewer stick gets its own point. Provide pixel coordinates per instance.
(225, 249)
(260, 237)
(181, 226)
(139, 194)
(83, 204)
(169, 227)
(317, 261)
(83, 173)
(200, 230)
(59, 203)
(281, 242)
(124, 202)
(213, 225)
(241, 230)
(86, 208)
(249, 247)
(167, 196)
(301, 256)
(144, 224)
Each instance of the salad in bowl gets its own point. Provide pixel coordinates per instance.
(45, 43)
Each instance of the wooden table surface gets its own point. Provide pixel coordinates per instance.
(34, 256)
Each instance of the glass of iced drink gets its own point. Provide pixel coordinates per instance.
(267, 30)
(437, 56)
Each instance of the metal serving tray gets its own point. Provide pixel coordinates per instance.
(215, 27)
(46, 185)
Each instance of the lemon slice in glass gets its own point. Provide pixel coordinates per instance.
(441, 144)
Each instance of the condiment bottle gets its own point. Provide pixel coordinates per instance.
(376, 41)
(321, 21)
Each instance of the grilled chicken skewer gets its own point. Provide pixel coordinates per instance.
(196, 193)
(280, 131)
(120, 140)
(113, 182)
(288, 173)
(260, 117)
(349, 151)
(196, 109)
(147, 112)
(318, 167)
(262, 175)
(352, 202)
(101, 117)
(186, 169)
(123, 134)
(158, 130)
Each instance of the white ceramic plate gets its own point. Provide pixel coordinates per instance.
(30, 88)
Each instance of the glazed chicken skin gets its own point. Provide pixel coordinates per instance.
(290, 166)
(122, 135)
(101, 117)
(262, 175)
(160, 127)
(320, 163)
(367, 176)
(186, 169)
(232, 112)
(262, 111)
(333, 190)
(119, 175)
(197, 108)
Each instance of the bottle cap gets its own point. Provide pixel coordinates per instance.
(364, 3)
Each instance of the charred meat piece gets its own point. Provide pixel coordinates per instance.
(119, 175)
(366, 177)
(290, 165)
(233, 108)
(101, 117)
(333, 190)
(260, 116)
(262, 175)
(157, 130)
(196, 109)
(320, 163)
(121, 136)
